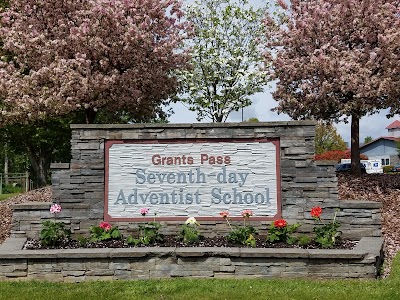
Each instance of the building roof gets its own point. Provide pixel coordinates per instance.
(390, 138)
(395, 124)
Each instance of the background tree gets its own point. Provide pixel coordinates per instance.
(327, 138)
(368, 139)
(337, 58)
(225, 58)
(69, 55)
(34, 146)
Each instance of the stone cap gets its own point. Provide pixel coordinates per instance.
(31, 206)
(366, 247)
(193, 125)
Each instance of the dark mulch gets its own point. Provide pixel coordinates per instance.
(172, 241)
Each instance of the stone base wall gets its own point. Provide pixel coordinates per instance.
(75, 265)
(79, 185)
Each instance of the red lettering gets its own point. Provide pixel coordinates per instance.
(212, 160)
(155, 159)
(203, 158)
(227, 160)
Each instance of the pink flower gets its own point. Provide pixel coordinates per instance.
(224, 214)
(105, 225)
(247, 213)
(144, 211)
(55, 208)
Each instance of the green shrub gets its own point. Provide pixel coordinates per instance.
(303, 240)
(189, 233)
(149, 233)
(53, 233)
(11, 189)
(242, 235)
(387, 169)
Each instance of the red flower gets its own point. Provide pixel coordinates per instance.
(105, 225)
(316, 212)
(281, 223)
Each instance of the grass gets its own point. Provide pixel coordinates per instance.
(6, 196)
(210, 289)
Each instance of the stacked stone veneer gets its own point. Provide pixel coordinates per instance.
(74, 265)
(79, 185)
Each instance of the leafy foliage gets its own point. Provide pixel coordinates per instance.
(53, 233)
(284, 233)
(242, 235)
(325, 234)
(149, 233)
(327, 139)
(98, 234)
(189, 234)
(387, 169)
(225, 57)
(368, 139)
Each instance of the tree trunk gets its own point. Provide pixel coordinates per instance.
(38, 164)
(90, 115)
(355, 145)
(6, 164)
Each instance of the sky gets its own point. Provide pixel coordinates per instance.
(262, 103)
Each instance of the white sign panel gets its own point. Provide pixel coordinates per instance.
(191, 179)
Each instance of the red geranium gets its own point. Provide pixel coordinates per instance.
(316, 212)
(281, 223)
(105, 225)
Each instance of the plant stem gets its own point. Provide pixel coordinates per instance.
(229, 224)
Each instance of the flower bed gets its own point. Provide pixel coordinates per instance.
(279, 234)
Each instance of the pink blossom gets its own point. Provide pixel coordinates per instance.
(55, 208)
(282, 4)
(105, 225)
(144, 211)
(224, 214)
(63, 42)
(247, 213)
(344, 51)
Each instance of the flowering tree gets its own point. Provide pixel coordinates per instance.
(337, 58)
(225, 57)
(114, 55)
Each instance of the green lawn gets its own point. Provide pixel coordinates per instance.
(204, 289)
(6, 196)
